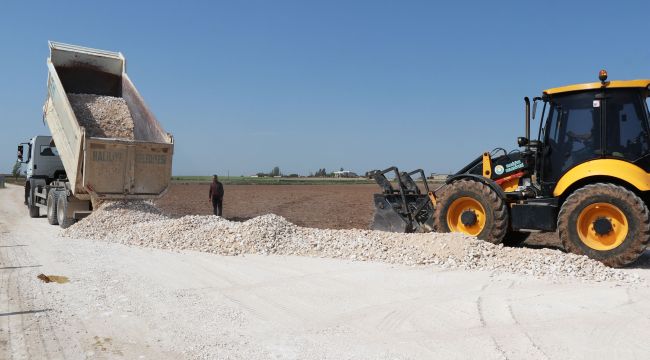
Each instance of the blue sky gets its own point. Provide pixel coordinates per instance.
(248, 85)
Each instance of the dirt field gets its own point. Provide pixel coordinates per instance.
(319, 206)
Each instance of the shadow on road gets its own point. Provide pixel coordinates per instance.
(642, 262)
(552, 241)
(239, 218)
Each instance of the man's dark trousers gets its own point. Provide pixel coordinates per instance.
(217, 204)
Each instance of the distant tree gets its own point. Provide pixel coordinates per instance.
(261, 174)
(16, 169)
(341, 169)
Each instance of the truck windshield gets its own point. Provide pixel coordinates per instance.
(48, 151)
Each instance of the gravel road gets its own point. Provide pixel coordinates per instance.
(125, 301)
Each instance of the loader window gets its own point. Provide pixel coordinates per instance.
(572, 133)
(627, 126)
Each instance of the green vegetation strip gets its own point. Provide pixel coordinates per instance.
(243, 180)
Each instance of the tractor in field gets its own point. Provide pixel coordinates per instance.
(586, 176)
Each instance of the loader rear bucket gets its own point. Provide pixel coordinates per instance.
(403, 208)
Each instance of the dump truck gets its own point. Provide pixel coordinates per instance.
(71, 169)
(586, 176)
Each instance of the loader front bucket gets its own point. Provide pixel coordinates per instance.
(386, 218)
(404, 207)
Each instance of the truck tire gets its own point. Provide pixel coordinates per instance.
(34, 211)
(473, 208)
(606, 222)
(52, 207)
(62, 210)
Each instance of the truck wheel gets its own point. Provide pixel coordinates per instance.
(473, 208)
(62, 210)
(606, 222)
(34, 211)
(51, 208)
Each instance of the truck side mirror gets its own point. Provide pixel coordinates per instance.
(23, 153)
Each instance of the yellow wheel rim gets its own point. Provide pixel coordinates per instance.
(456, 210)
(588, 234)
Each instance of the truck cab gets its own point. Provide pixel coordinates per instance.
(41, 158)
(43, 166)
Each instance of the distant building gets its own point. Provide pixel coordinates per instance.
(345, 174)
(438, 177)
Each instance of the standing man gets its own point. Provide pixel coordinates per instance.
(216, 195)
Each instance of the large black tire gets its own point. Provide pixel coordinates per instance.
(496, 215)
(34, 211)
(624, 202)
(52, 207)
(62, 209)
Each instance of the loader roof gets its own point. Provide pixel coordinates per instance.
(640, 83)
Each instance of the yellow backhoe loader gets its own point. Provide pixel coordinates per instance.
(586, 176)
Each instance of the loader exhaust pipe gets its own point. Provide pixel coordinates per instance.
(527, 101)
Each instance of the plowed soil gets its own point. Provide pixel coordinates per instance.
(319, 206)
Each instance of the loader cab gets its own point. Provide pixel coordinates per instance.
(585, 122)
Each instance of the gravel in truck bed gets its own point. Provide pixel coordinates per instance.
(142, 224)
(103, 116)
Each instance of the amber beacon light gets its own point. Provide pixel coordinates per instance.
(602, 75)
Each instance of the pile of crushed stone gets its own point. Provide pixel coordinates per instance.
(142, 224)
(103, 116)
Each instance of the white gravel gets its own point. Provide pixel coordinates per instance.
(131, 302)
(103, 116)
(142, 224)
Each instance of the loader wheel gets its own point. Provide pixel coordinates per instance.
(62, 210)
(51, 208)
(473, 208)
(606, 222)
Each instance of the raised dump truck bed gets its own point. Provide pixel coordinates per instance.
(92, 165)
(103, 167)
